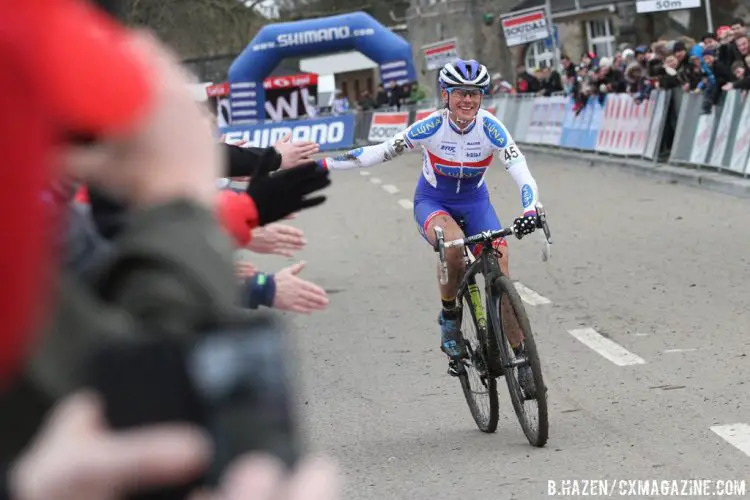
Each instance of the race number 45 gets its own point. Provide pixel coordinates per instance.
(511, 153)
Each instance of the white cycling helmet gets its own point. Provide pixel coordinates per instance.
(465, 73)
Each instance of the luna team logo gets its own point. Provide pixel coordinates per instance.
(527, 196)
(459, 170)
(495, 132)
(425, 129)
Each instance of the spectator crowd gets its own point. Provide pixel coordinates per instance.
(716, 63)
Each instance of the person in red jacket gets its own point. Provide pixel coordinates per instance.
(58, 55)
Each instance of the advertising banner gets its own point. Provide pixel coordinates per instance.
(332, 132)
(436, 55)
(385, 125)
(528, 27)
(289, 97)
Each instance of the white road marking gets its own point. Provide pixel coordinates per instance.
(738, 435)
(641, 334)
(390, 188)
(668, 351)
(364, 173)
(607, 348)
(375, 180)
(407, 204)
(530, 296)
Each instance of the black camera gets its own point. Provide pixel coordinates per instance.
(231, 381)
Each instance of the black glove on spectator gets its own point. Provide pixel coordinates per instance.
(524, 225)
(278, 195)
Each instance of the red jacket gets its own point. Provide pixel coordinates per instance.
(238, 214)
(57, 59)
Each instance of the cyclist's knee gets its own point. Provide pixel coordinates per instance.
(502, 247)
(451, 231)
(447, 224)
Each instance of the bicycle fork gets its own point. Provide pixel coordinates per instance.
(476, 300)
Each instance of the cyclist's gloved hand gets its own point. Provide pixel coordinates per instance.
(284, 192)
(524, 225)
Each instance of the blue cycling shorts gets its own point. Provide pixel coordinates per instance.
(477, 212)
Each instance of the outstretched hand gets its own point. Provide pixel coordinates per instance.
(297, 295)
(278, 239)
(294, 154)
(286, 191)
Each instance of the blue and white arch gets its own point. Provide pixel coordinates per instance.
(275, 42)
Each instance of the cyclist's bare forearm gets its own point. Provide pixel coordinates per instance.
(368, 156)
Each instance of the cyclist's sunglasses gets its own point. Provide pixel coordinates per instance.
(462, 92)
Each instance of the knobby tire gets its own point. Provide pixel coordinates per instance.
(502, 285)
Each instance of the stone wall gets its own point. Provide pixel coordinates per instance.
(463, 20)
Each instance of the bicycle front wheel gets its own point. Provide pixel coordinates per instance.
(531, 406)
(479, 387)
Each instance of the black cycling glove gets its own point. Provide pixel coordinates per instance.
(284, 192)
(524, 225)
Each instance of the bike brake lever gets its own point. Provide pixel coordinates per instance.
(542, 222)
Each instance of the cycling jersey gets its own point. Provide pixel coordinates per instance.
(454, 165)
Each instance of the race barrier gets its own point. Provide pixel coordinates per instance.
(670, 127)
(620, 125)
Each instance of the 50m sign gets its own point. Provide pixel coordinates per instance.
(643, 6)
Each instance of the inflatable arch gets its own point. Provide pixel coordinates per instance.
(275, 42)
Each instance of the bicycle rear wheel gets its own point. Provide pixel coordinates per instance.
(479, 387)
(532, 417)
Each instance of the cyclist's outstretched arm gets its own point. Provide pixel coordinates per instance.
(370, 155)
(515, 163)
(414, 135)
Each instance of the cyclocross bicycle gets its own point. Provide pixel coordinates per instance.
(489, 352)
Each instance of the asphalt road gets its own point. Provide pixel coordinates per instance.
(659, 269)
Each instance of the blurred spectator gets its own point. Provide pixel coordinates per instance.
(628, 56)
(551, 81)
(668, 78)
(588, 61)
(741, 77)
(417, 94)
(568, 67)
(381, 98)
(405, 92)
(526, 83)
(366, 102)
(394, 95)
(340, 104)
(717, 75)
(641, 55)
(500, 86)
(608, 79)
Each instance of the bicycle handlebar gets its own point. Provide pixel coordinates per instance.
(487, 236)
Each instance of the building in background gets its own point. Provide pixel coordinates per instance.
(604, 26)
(351, 72)
(600, 26)
(433, 21)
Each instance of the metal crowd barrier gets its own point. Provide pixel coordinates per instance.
(668, 128)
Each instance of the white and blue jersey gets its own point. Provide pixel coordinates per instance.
(454, 166)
